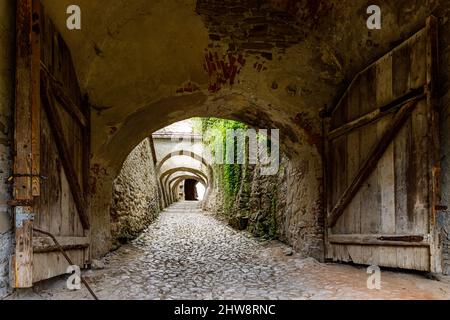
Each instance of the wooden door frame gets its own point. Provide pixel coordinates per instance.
(26, 168)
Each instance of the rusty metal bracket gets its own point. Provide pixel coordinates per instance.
(402, 238)
(20, 217)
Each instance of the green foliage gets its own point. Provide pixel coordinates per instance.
(229, 174)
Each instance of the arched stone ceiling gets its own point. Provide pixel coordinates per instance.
(173, 184)
(183, 173)
(146, 64)
(165, 176)
(179, 153)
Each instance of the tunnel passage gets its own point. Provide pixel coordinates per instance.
(190, 190)
(270, 65)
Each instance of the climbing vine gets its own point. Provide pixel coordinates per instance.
(229, 175)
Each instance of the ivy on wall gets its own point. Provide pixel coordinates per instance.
(248, 201)
(229, 175)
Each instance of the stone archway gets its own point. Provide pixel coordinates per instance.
(174, 176)
(141, 72)
(176, 181)
(187, 153)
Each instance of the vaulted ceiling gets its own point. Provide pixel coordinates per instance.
(275, 63)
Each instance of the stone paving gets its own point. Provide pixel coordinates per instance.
(187, 254)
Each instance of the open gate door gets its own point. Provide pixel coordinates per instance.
(383, 162)
(51, 161)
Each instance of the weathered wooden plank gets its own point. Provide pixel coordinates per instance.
(47, 162)
(41, 270)
(35, 99)
(66, 227)
(371, 161)
(418, 60)
(401, 64)
(370, 193)
(23, 96)
(64, 153)
(352, 213)
(55, 248)
(434, 154)
(384, 81)
(406, 258)
(64, 98)
(43, 242)
(377, 114)
(339, 174)
(54, 183)
(354, 102)
(22, 263)
(386, 170)
(406, 252)
(386, 178)
(368, 91)
(402, 146)
(419, 172)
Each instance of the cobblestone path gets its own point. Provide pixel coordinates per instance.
(187, 254)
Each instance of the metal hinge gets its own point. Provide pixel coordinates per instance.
(20, 217)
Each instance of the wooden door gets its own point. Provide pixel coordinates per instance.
(383, 162)
(51, 164)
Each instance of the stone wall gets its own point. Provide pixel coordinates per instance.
(136, 201)
(7, 8)
(283, 206)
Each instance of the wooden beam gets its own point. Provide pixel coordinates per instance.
(371, 162)
(23, 97)
(66, 248)
(36, 99)
(63, 150)
(376, 114)
(380, 240)
(43, 242)
(58, 91)
(46, 244)
(22, 260)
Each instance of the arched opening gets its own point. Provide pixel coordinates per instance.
(190, 190)
(145, 69)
